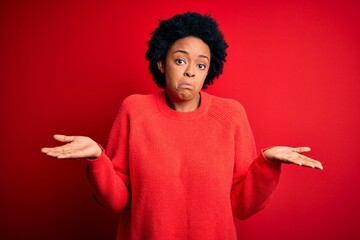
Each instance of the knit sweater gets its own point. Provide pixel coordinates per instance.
(181, 175)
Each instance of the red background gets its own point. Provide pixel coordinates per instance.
(66, 66)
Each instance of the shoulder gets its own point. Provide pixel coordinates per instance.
(229, 112)
(137, 105)
(135, 101)
(227, 106)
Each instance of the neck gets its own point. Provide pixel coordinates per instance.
(183, 106)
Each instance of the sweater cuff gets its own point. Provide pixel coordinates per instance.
(102, 153)
(262, 155)
(95, 164)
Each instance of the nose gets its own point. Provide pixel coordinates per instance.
(189, 72)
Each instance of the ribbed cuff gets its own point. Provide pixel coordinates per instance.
(101, 155)
(268, 160)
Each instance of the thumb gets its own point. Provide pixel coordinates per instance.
(301, 149)
(63, 138)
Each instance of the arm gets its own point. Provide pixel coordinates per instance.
(108, 175)
(107, 172)
(253, 187)
(254, 180)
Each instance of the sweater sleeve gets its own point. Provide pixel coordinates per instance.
(255, 178)
(108, 175)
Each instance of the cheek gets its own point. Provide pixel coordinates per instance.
(203, 76)
(173, 75)
(170, 80)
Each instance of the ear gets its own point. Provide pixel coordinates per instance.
(161, 66)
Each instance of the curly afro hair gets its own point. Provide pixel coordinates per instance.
(179, 26)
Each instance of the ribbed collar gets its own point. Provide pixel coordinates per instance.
(171, 113)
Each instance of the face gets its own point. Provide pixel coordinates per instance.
(185, 67)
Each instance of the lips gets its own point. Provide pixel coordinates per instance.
(186, 85)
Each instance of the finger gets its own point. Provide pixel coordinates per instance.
(52, 154)
(313, 165)
(308, 162)
(51, 150)
(61, 154)
(75, 154)
(63, 138)
(44, 150)
(60, 149)
(69, 156)
(66, 151)
(301, 149)
(66, 156)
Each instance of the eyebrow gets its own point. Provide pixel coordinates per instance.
(185, 52)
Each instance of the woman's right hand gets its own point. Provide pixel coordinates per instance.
(75, 147)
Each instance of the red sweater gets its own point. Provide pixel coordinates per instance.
(176, 175)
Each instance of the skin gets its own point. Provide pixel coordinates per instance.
(185, 67)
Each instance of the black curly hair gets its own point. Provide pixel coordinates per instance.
(179, 26)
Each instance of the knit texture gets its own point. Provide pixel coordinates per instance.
(175, 175)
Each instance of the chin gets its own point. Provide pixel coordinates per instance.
(187, 95)
(184, 97)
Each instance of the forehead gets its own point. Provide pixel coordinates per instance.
(192, 45)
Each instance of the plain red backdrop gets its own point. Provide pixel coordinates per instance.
(67, 65)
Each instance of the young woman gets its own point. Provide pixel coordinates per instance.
(181, 163)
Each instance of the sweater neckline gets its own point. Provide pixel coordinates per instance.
(173, 114)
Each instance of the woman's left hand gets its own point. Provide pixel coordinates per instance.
(292, 156)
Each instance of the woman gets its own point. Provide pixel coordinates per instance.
(181, 163)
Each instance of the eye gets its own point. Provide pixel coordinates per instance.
(179, 61)
(201, 66)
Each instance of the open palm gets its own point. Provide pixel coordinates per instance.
(292, 156)
(75, 147)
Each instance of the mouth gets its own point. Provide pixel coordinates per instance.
(186, 85)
